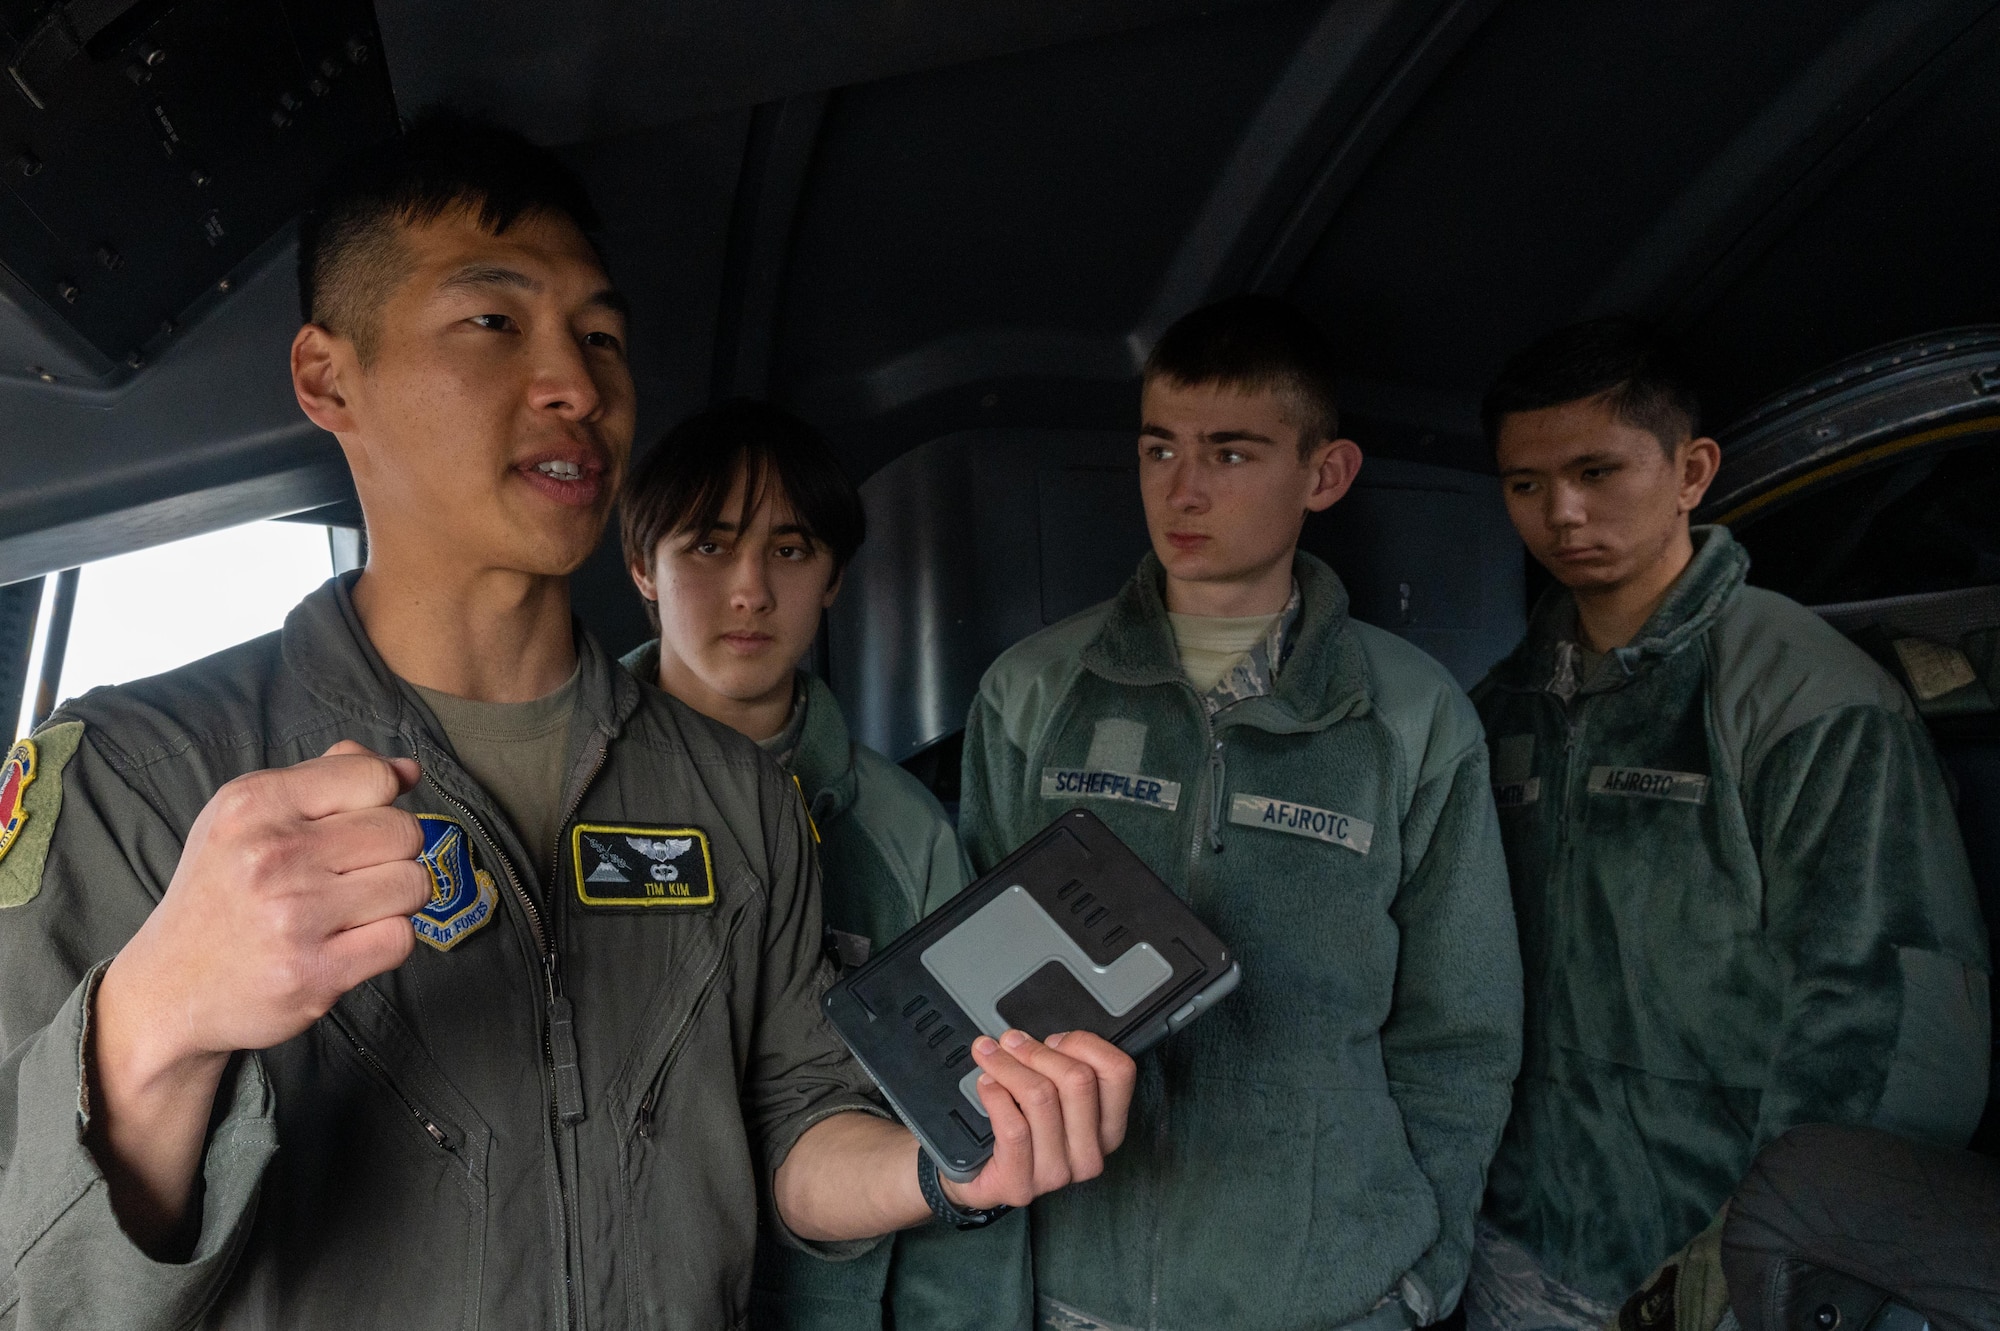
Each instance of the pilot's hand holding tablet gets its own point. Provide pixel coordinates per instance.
(1008, 1019)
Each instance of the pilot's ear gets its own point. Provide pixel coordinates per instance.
(317, 361)
(832, 590)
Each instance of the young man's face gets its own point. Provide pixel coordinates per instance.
(1597, 501)
(492, 425)
(1225, 487)
(739, 604)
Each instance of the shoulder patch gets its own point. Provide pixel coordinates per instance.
(462, 895)
(642, 866)
(30, 800)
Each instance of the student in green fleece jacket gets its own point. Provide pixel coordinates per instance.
(737, 529)
(1311, 1153)
(1743, 900)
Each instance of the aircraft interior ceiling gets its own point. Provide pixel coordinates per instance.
(947, 235)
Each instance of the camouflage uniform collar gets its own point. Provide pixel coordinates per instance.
(784, 746)
(1549, 659)
(1322, 674)
(1257, 673)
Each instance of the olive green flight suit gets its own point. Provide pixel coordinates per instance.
(561, 1117)
(888, 857)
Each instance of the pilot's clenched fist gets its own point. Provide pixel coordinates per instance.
(309, 875)
(296, 884)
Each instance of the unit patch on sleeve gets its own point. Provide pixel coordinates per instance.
(1337, 829)
(462, 897)
(16, 776)
(30, 798)
(642, 866)
(1646, 783)
(1082, 783)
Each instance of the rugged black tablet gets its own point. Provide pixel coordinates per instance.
(1072, 932)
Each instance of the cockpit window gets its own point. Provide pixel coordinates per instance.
(139, 614)
(1910, 526)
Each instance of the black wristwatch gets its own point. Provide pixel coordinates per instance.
(941, 1207)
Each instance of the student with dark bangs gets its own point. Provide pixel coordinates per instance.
(737, 529)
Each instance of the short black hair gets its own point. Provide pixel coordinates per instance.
(349, 261)
(681, 486)
(1617, 358)
(1254, 343)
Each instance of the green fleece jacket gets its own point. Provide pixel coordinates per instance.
(1319, 1141)
(1743, 906)
(888, 857)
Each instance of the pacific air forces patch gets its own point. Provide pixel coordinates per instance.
(463, 897)
(642, 866)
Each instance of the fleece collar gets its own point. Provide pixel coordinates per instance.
(824, 760)
(1323, 679)
(328, 650)
(1698, 597)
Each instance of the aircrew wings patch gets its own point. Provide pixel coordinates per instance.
(463, 896)
(649, 867)
(30, 798)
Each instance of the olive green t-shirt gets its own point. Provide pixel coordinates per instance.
(515, 751)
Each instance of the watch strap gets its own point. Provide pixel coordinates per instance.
(941, 1205)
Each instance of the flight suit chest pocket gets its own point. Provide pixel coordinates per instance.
(378, 1141)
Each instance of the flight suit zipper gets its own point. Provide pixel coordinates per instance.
(381, 1069)
(643, 1120)
(545, 947)
(568, 1079)
(566, 1108)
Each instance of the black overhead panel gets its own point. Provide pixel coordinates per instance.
(1511, 198)
(1904, 241)
(591, 69)
(149, 147)
(1009, 220)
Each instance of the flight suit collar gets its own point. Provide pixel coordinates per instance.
(1323, 677)
(1701, 593)
(327, 648)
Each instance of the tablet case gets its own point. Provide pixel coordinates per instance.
(1072, 932)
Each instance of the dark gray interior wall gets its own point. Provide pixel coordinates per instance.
(1428, 553)
(209, 436)
(980, 538)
